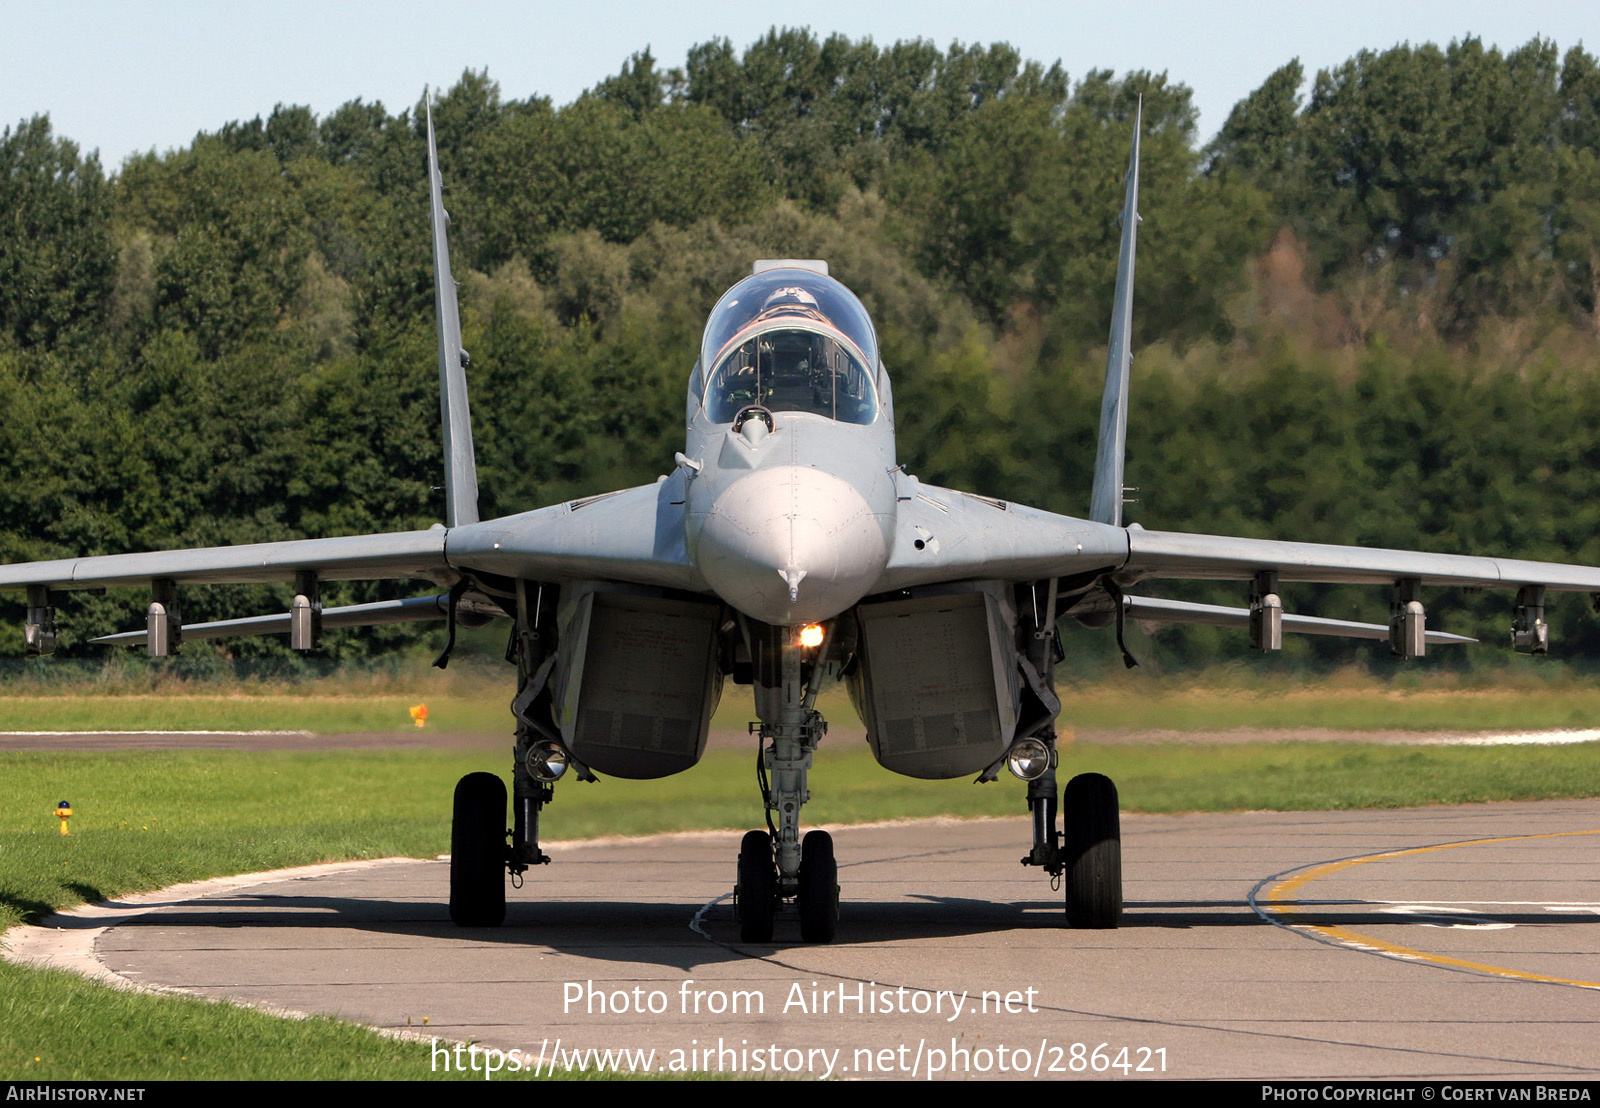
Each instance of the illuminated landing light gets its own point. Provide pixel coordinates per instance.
(1028, 759)
(811, 636)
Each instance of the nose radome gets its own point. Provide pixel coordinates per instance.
(791, 545)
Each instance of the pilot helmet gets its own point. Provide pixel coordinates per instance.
(789, 296)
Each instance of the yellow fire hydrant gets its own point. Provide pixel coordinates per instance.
(64, 812)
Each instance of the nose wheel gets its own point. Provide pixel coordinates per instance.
(818, 895)
(758, 894)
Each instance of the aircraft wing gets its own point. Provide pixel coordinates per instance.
(400, 555)
(1170, 554)
(415, 610)
(633, 535)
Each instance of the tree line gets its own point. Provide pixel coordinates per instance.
(1367, 311)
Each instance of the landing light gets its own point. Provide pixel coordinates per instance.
(547, 761)
(1028, 759)
(811, 636)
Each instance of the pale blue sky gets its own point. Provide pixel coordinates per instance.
(132, 75)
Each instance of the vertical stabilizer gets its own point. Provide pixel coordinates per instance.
(460, 466)
(1105, 505)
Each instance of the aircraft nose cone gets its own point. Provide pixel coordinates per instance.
(791, 545)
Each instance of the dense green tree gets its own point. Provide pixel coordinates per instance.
(231, 240)
(1259, 137)
(594, 166)
(1447, 172)
(57, 260)
(640, 87)
(1017, 211)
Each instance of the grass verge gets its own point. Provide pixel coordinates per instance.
(477, 700)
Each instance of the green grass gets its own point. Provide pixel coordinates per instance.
(1293, 776)
(277, 711)
(144, 819)
(477, 701)
(1361, 708)
(56, 1026)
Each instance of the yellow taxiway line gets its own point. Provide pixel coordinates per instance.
(1280, 899)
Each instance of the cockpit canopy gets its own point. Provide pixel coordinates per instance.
(790, 340)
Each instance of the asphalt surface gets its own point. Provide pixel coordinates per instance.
(1397, 944)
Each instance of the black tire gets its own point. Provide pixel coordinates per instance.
(757, 888)
(1093, 852)
(478, 852)
(819, 888)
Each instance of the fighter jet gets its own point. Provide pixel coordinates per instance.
(789, 542)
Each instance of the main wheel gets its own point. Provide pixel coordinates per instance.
(1093, 852)
(757, 888)
(819, 888)
(478, 852)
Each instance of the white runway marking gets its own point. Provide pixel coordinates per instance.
(1514, 738)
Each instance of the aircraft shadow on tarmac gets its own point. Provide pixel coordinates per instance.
(658, 933)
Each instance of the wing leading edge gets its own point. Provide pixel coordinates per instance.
(1170, 554)
(399, 555)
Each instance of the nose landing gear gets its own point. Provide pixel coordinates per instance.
(775, 865)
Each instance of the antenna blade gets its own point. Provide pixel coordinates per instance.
(1106, 501)
(460, 465)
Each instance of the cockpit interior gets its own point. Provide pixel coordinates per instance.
(790, 341)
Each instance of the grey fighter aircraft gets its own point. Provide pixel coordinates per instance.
(788, 541)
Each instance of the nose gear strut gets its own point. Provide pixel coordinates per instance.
(776, 865)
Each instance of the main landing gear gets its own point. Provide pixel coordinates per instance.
(775, 865)
(480, 853)
(482, 850)
(1086, 855)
